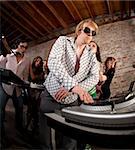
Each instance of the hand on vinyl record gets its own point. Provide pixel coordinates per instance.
(84, 95)
(61, 94)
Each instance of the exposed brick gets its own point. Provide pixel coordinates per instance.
(115, 39)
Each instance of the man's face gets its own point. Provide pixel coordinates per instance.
(87, 32)
(22, 47)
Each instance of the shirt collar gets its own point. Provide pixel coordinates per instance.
(72, 41)
(14, 50)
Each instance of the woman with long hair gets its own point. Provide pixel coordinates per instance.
(96, 50)
(110, 65)
(36, 77)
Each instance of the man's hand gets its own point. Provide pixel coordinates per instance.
(62, 93)
(84, 95)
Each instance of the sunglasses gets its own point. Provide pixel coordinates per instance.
(89, 32)
(22, 46)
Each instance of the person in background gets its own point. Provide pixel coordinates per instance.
(104, 88)
(36, 71)
(96, 50)
(19, 64)
(73, 69)
(36, 77)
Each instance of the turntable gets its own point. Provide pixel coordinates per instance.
(114, 113)
(107, 124)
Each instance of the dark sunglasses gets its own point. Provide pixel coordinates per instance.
(22, 46)
(89, 32)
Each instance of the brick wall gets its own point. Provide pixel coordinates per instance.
(116, 40)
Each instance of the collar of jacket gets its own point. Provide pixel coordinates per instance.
(72, 41)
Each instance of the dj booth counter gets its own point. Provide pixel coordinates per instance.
(106, 138)
(108, 124)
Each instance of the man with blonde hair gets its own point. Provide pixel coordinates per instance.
(73, 69)
(80, 26)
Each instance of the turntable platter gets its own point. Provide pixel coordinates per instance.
(113, 106)
(114, 114)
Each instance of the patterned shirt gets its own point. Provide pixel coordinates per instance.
(61, 63)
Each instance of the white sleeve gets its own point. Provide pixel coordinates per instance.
(55, 63)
